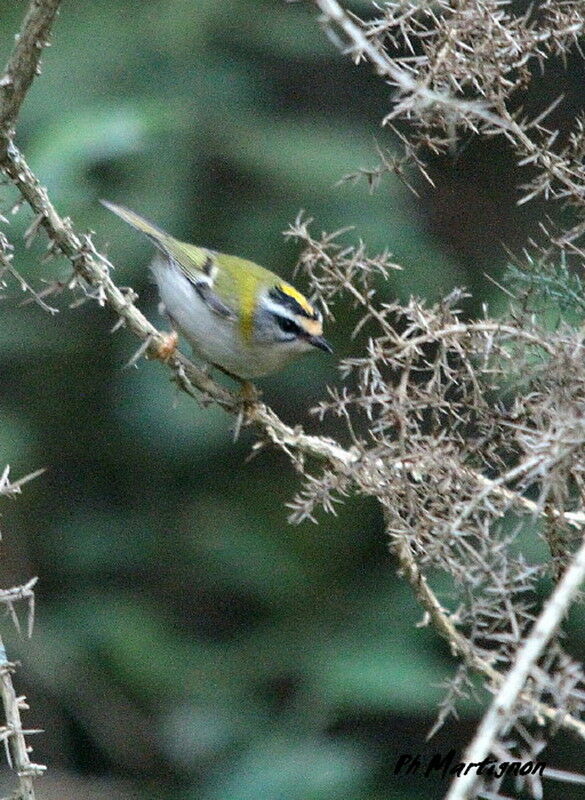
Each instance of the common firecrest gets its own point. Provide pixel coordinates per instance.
(236, 315)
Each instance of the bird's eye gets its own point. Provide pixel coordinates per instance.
(288, 325)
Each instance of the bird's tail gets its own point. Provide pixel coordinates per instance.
(156, 235)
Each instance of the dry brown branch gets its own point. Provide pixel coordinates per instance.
(12, 732)
(10, 488)
(471, 429)
(497, 717)
(8, 597)
(459, 644)
(24, 63)
(411, 90)
(484, 49)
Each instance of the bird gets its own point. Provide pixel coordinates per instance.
(236, 315)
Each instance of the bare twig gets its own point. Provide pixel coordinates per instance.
(358, 46)
(10, 488)
(417, 95)
(24, 63)
(484, 499)
(458, 643)
(497, 716)
(7, 266)
(9, 597)
(94, 268)
(12, 733)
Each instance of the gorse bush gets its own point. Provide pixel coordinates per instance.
(469, 433)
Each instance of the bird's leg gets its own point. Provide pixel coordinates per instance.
(170, 341)
(249, 394)
(167, 347)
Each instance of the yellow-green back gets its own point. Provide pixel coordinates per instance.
(237, 281)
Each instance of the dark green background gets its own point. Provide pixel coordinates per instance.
(189, 643)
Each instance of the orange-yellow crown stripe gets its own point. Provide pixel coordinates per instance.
(286, 288)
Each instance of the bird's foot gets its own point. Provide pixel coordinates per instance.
(168, 346)
(248, 396)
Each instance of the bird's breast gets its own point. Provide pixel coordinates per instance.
(215, 338)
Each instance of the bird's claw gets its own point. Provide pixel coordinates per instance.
(166, 349)
(248, 396)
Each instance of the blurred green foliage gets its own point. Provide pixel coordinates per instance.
(187, 638)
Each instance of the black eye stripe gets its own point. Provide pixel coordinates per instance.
(288, 325)
(290, 303)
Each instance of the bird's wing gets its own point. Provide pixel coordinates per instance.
(213, 302)
(197, 264)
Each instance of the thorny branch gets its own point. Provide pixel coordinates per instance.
(436, 54)
(460, 645)
(447, 61)
(12, 733)
(10, 488)
(411, 90)
(432, 391)
(498, 715)
(24, 63)
(471, 429)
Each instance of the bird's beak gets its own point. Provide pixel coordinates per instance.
(321, 343)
